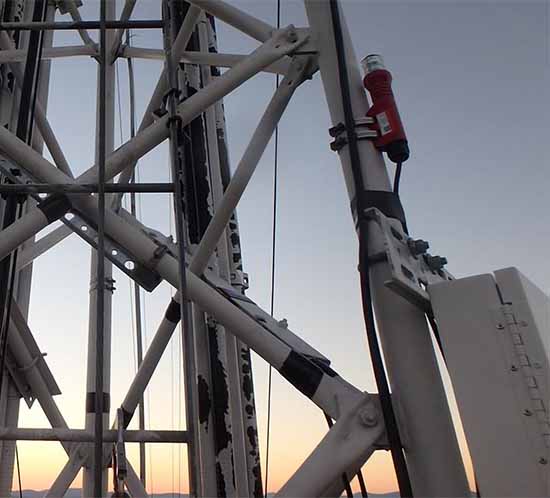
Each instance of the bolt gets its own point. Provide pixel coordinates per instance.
(292, 36)
(417, 246)
(543, 460)
(435, 263)
(368, 417)
(527, 413)
(513, 368)
(500, 326)
(283, 323)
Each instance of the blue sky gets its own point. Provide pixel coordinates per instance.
(471, 81)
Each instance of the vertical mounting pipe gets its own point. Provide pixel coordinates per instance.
(100, 318)
(431, 447)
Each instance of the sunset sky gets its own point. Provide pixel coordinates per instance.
(471, 80)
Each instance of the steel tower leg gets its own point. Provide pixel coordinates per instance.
(8, 392)
(228, 357)
(9, 416)
(243, 409)
(88, 477)
(431, 448)
(9, 401)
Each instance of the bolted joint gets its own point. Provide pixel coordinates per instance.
(211, 322)
(283, 323)
(369, 416)
(418, 246)
(240, 279)
(292, 36)
(435, 263)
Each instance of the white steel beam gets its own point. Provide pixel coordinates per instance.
(250, 159)
(145, 141)
(431, 449)
(117, 39)
(211, 300)
(237, 18)
(68, 474)
(155, 102)
(349, 440)
(133, 484)
(37, 382)
(84, 436)
(231, 460)
(7, 455)
(218, 223)
(72, 9)
(29, 253)
(203, 58)
(23, 278)
(106, 295)
(19, 55)
(42, 123)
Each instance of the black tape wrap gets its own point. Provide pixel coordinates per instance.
(173, 312)
(54, 207)
(126, 417)
(388, 203)
(301, 373)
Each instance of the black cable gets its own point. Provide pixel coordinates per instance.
(18, 471)
(478, 492)
(273, 247)
(397, 178)
(362, 485)
(435, 330)
(345, 479)
(177, 163)
(137, 292)
(392, 429)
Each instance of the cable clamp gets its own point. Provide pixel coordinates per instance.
(412, 269)
(240, 279)
(108, 286)
(211, 322)
(160, 251)
(174, 119)
(163, 109)
(362, 130)
(120, 469)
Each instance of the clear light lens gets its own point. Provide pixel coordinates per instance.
(372, 62)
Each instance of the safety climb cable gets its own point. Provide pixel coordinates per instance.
(273, 259)
(345, 479)
(18, 471)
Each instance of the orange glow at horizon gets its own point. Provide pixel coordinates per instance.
(41, 463)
